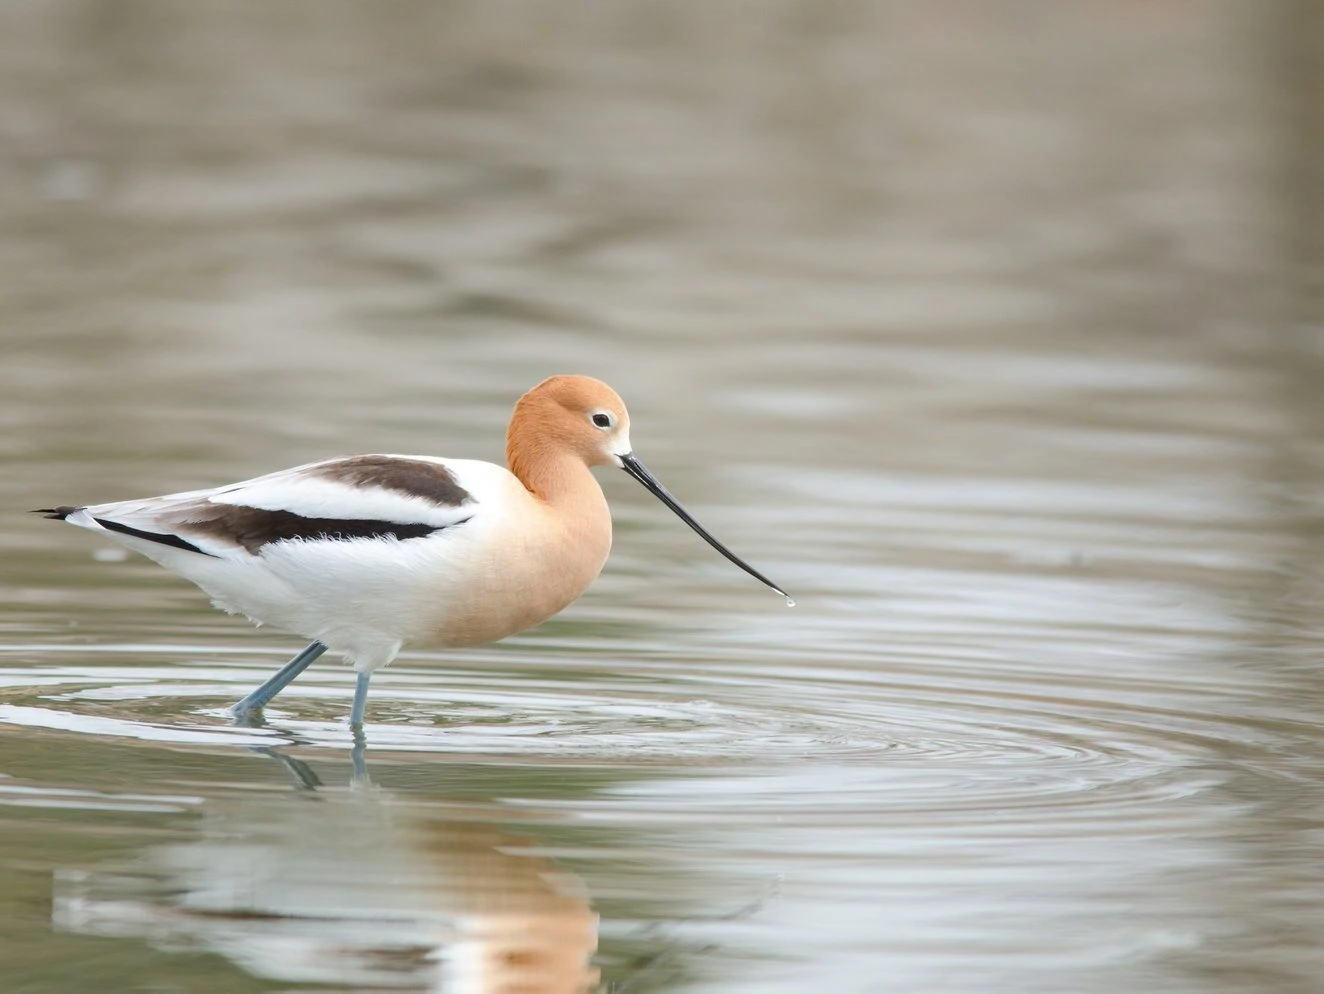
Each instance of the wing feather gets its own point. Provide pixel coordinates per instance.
(354, 497)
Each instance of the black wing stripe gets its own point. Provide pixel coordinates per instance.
(173, 541)
(254, 527)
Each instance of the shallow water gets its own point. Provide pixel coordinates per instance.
(988, 331)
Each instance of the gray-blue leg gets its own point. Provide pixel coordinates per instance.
(360, 700)
(356, 758)
(280, 680)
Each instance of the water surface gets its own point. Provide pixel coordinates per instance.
(987, 331)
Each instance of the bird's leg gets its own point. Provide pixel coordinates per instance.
(280, 680)
(360, 700)
(360, 765)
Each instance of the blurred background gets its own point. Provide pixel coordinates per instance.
(991, 329)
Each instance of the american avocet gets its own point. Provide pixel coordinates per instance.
(367, 555)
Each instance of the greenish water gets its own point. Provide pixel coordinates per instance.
(989, 331)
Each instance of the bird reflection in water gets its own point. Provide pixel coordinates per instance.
(357, 888)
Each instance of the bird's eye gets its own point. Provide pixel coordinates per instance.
(602, 420)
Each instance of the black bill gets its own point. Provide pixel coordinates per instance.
(640, 472)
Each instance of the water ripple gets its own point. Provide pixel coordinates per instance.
(837, 740)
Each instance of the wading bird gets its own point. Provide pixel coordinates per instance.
(367, 555)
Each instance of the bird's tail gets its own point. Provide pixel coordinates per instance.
(58, 513)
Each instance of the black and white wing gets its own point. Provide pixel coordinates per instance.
(382, 497)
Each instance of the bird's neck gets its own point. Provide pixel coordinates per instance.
(571, 498)
(557, 479)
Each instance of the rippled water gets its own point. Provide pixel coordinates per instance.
(986, 330)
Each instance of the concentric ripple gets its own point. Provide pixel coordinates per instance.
(837, 740)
